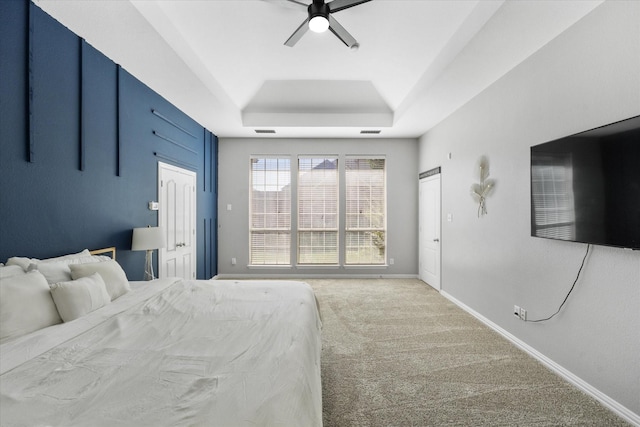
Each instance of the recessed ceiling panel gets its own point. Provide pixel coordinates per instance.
(321, 103)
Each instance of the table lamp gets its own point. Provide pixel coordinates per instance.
(148, 239)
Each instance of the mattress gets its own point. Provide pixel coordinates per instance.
(173, 352)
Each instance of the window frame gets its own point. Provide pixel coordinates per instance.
(371, 242)
(313, 232)
(295, 249)
(276, 234)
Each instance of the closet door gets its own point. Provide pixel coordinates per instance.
(177, 214)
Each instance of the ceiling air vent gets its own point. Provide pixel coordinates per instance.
(369, 132)
(265, 131)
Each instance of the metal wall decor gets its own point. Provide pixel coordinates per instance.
(481, 190)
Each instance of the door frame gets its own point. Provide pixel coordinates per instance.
(430, 175)
(161, 212)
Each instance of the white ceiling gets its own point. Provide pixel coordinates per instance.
(223, 62)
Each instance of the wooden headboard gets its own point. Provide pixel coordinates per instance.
(111, 251)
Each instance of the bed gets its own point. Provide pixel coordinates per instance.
(166, 352)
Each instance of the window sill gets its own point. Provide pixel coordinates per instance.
(367, 266)
(269, 266)
(316, 266)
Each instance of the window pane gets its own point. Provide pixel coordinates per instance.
(270, 211)
(270, 248)
(365, 247)
(318, 247)
(318, 211)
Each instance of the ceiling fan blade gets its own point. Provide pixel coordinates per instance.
(299, 2)
(340, 32)
(291, 4)
(297, 34)
(338, 5)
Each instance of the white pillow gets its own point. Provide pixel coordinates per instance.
(25, 262)
(10, 270)
(79, 297)
(54, 272)
(87, 259)
(112, 274)
(83, 253)
(26, 305)
(21, 261)
(59, 271)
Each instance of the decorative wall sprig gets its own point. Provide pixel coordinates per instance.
(481, 190)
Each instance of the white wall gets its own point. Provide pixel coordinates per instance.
(402, 204)
(587, 77)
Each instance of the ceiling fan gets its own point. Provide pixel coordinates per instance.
(320, 19)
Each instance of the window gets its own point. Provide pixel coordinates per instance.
(365, 228)
(270, 211)
(335, 223)
(318, 211)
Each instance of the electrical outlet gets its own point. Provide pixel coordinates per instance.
(523, 314)
(516, 311)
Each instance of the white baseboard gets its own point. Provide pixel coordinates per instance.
(607, 401)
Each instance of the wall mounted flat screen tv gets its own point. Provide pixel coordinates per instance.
(586, 187)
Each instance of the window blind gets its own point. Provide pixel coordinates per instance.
(365, 228)
(270, 211)
(317, 210)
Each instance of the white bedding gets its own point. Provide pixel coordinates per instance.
(173, 352)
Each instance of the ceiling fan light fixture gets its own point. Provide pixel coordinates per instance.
(320, 19)
(319, 24)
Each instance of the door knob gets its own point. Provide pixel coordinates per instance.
(436, 240)
(179, 245)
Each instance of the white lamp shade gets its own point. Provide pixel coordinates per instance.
(147, 238)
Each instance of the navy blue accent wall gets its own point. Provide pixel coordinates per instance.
(209, 223)
(80, 142)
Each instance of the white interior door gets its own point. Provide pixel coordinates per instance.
(177, 214)
(429, 232)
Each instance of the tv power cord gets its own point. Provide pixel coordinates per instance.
(569, 293)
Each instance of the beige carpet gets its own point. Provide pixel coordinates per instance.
(397, 353)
